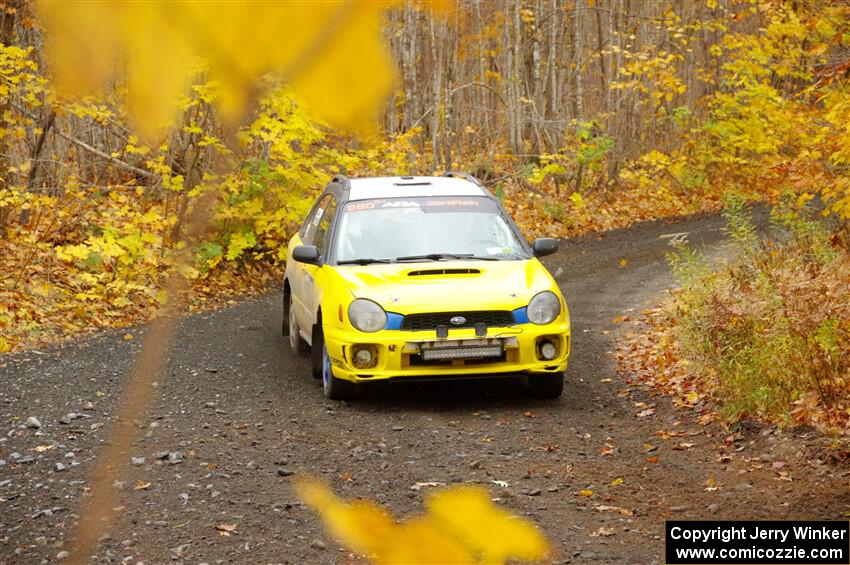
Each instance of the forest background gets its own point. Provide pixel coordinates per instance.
(579, 115)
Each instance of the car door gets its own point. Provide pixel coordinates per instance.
(312, 273)
(299, 278)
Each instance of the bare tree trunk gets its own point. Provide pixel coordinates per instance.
(613, 68)
(519, 122)
(408, 65)
(552, 63)
(578, 101)
(437, 89)
(396, 41)
(35, 160)
(603, 61)
(448, 117)
(536, 87)
(510, 76)
(482, 93)
(7, 32)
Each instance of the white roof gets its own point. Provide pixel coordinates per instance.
(406, 187)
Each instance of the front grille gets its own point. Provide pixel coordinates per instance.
(430, 321)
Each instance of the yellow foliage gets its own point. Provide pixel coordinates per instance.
(578, 200)
(462, 526)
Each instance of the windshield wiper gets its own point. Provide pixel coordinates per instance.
(434, 256)
(441, 256)
(363, 261)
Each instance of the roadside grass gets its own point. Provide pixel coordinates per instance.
(767, 336)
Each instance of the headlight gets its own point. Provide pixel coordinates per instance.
(544, 307)
(366, 315)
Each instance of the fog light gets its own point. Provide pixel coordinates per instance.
(363, 356)
(547, 349)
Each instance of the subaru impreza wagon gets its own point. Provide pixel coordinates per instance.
(421, 277)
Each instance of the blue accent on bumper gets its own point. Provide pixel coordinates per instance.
(394, 321)
(521, 315)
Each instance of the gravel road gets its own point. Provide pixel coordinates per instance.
(236, 415)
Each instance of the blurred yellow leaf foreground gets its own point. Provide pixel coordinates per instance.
(319, 48)
(461, 525)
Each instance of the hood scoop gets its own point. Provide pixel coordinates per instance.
(438, 272)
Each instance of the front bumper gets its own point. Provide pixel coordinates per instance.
(398, 352)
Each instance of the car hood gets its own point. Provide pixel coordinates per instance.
(436, 286)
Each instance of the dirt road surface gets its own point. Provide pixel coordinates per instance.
(235, 411)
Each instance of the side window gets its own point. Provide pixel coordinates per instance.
(323, 235)
(308, 230)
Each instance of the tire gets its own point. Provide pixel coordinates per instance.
(316, 350)
(284, 324)
(546, 386)
(296, 342)
(334, 388)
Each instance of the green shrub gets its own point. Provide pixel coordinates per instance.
(769, 333)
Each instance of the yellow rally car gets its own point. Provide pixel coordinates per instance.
(412, 277)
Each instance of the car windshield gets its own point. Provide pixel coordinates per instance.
(425, 229)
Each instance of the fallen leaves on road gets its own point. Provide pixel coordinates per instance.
(711, 485)
(427, 484)
(649, 357)
(708, 418)
(617, 509)
(142, 485)
(667, 435)
(693, 397)
(585, 492)
(225, 529)
(603, 532)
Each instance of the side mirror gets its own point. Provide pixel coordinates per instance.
(306, 254)
(543, 246)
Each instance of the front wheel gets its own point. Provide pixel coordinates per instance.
(334, 388)
(546, 386)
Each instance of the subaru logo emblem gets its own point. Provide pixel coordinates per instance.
(458, 320)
